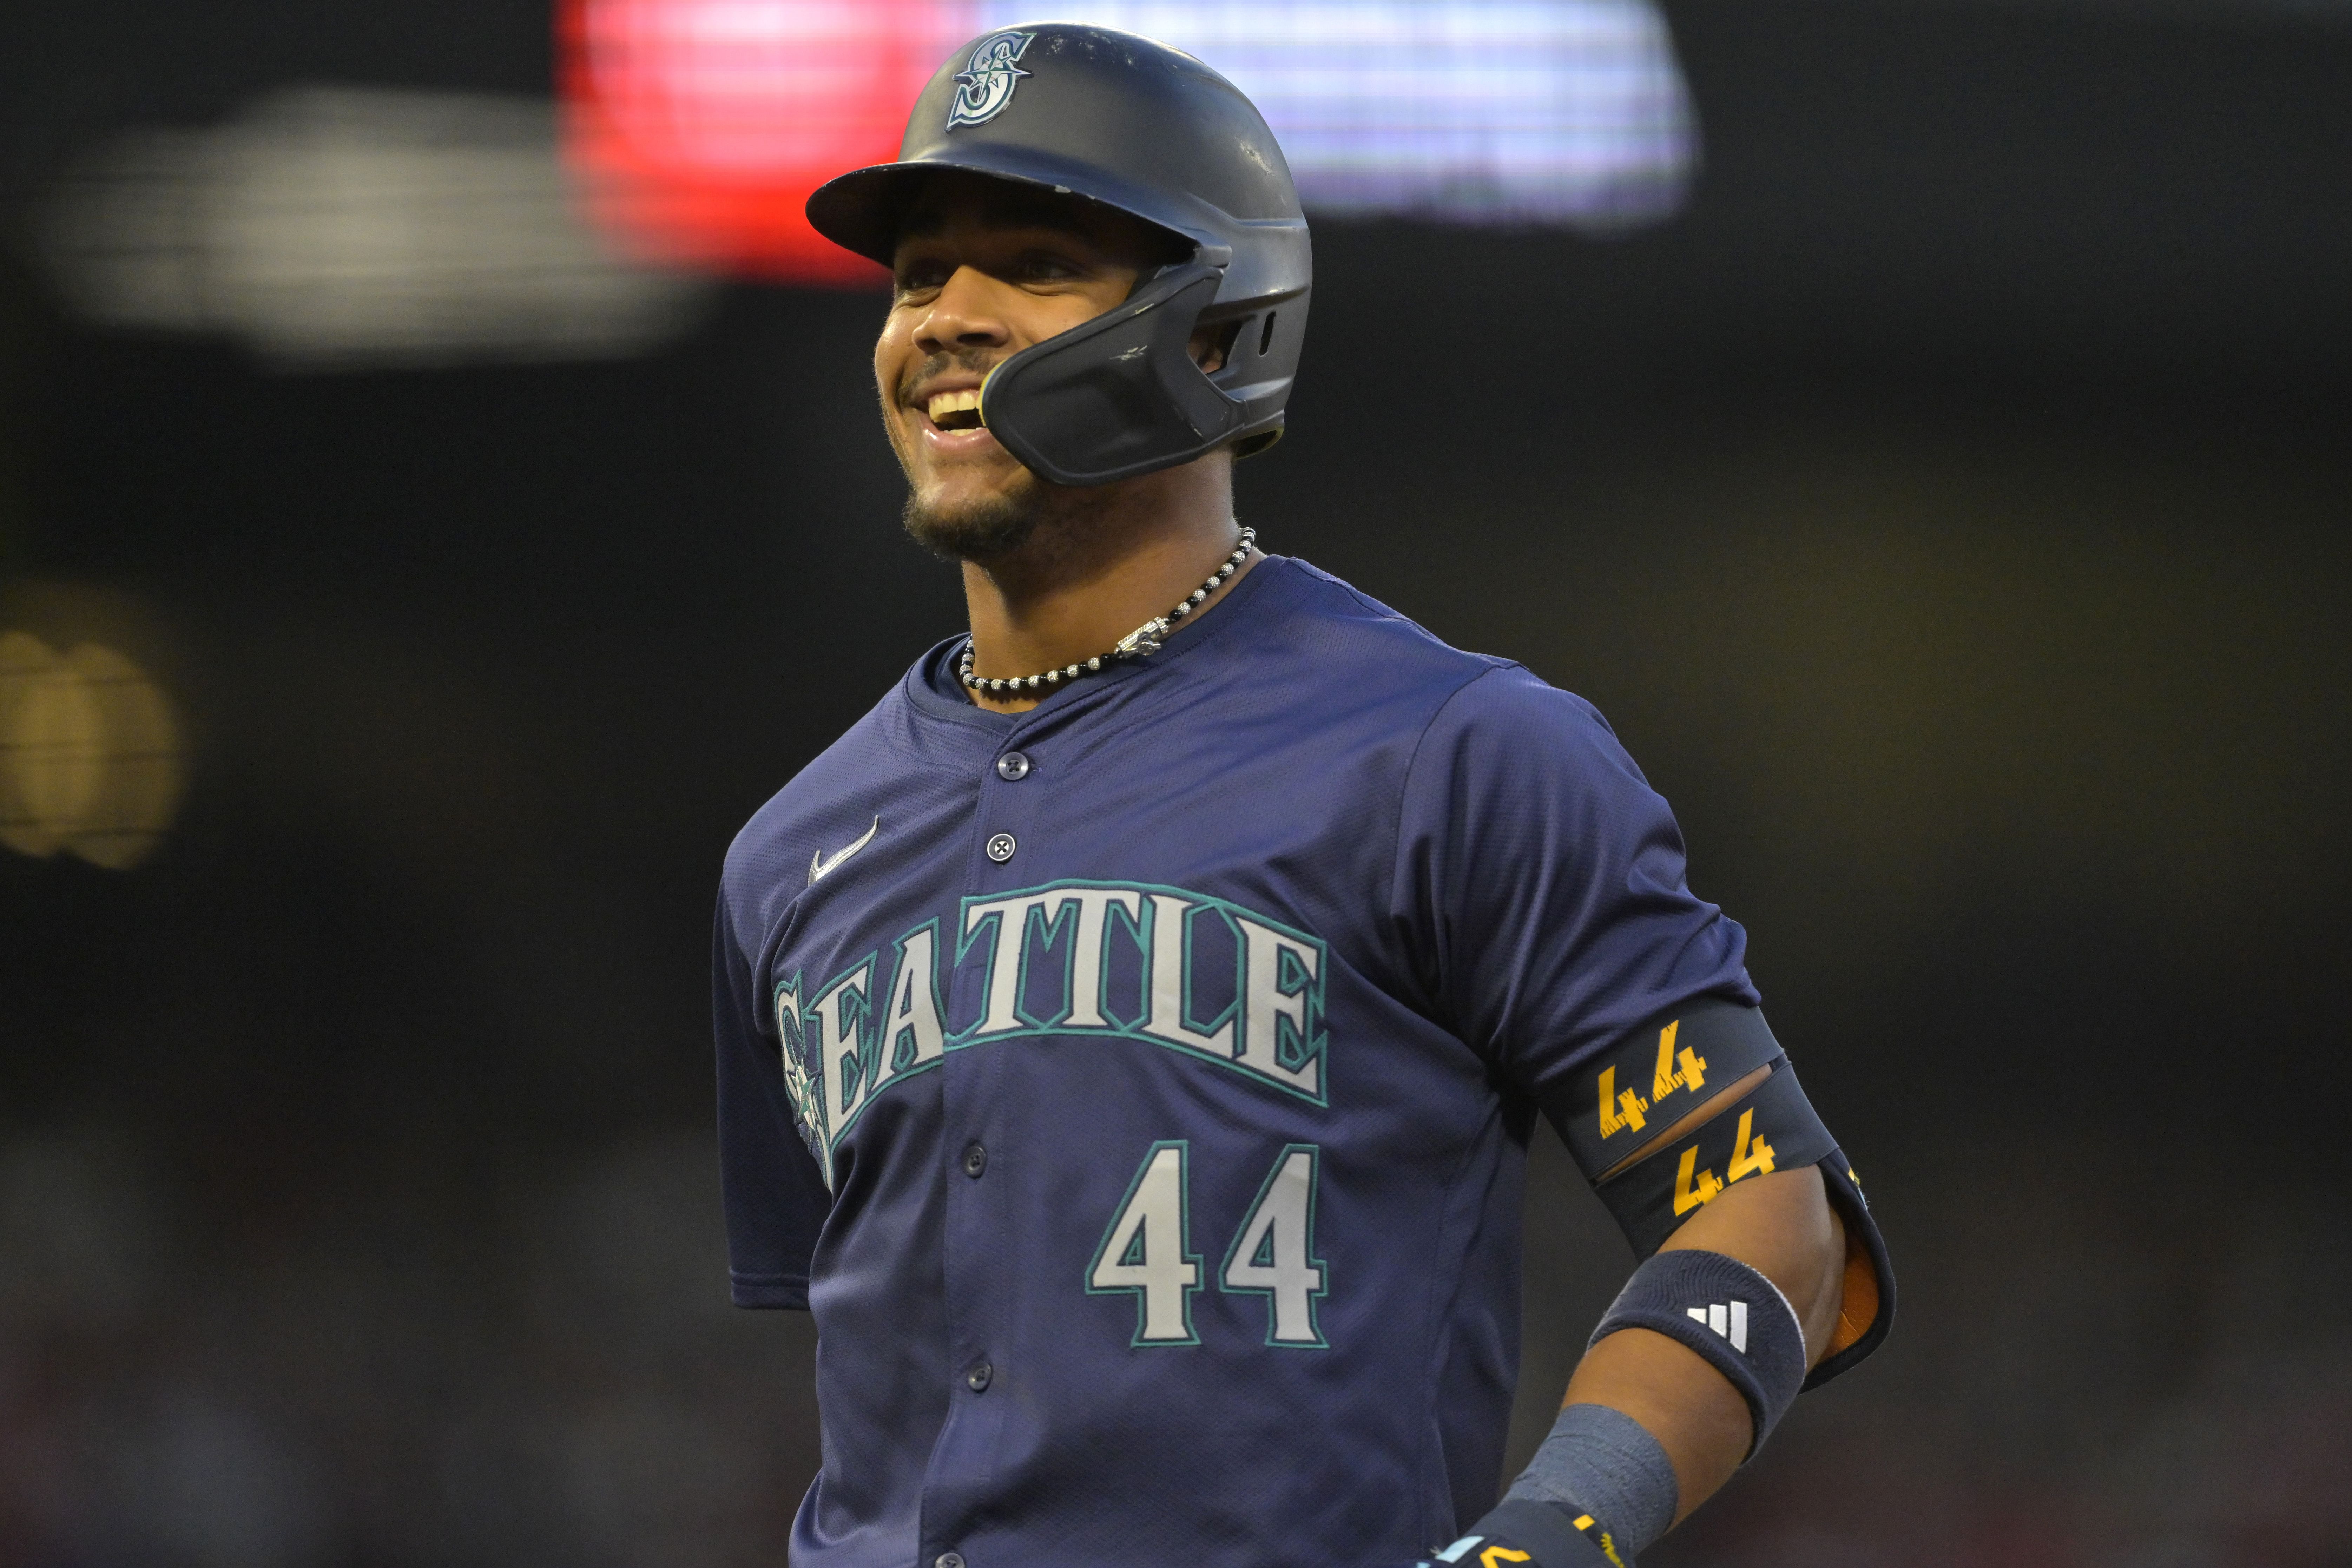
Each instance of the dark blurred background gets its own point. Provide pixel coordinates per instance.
(1948, 507)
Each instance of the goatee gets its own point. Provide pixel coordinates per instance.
(980, 531)
(993, 528)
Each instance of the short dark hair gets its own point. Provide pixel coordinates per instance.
(1014, 203)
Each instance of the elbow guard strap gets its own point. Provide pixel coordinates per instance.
(1730, 1315)
(1622, 1101)
(1866, 1310)
(1770, 1128)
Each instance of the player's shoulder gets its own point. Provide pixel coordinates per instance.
(1465, 695)
(1344, 634)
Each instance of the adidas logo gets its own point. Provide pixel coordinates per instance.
(1728, 1319)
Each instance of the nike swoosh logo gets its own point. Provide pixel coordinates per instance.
(819, 865)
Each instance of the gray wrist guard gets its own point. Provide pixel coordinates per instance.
(1601, 1462)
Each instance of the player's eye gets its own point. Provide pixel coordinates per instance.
(1044, 267)
(922, 276)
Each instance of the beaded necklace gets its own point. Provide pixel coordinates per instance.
(1141, 643)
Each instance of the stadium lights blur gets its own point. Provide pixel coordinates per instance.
(701, 126)
(89, 754)
(330, 226)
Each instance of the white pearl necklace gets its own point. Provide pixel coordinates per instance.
(1143, 641)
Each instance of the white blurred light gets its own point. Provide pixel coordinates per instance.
(1569, 111)
(89, 754)
(701, 126)
(336, 225)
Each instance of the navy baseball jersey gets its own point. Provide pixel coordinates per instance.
(1138, 1088)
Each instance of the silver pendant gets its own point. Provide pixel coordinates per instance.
(1144, 639)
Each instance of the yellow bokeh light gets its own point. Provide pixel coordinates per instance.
(89, 754)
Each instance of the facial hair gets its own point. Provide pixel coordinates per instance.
(1044, 520)
(984, 529)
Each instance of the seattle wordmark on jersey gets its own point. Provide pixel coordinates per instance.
(1072, 958)
(1142, 1105)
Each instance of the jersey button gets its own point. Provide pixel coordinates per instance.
(975, 1161)
(1012, 767)
(1001, 847)
(948, 1560)
(978, 1377)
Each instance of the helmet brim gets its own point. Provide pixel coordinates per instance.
(864, 210)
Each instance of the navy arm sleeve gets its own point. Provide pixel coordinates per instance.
(1545, 879)
(775, 1195)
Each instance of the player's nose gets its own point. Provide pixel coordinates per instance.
(962, 315)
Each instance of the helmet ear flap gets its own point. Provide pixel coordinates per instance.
(1260, 359)
(1120, 394)
(1249, 338)
(1261, 355)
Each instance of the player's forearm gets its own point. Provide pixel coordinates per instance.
(1744, 1211)
(1781, 1225)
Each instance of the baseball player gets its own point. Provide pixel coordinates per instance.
(1129, 1032)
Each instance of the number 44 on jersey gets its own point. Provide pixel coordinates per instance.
(1148, 1249)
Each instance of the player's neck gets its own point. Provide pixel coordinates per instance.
(1086, 580)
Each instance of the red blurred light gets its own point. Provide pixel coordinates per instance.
(700, 127)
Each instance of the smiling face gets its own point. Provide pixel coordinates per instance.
(984, 268)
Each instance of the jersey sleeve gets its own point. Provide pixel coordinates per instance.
(775, 1195)
(1541, 880)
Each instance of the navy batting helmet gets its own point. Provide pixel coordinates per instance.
(1150, 131)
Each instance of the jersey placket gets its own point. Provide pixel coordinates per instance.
(979, 1151)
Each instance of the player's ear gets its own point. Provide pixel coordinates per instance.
(1211, 344)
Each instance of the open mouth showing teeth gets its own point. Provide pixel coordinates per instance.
(955, 410)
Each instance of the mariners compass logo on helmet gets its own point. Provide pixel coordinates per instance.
(985, 86)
